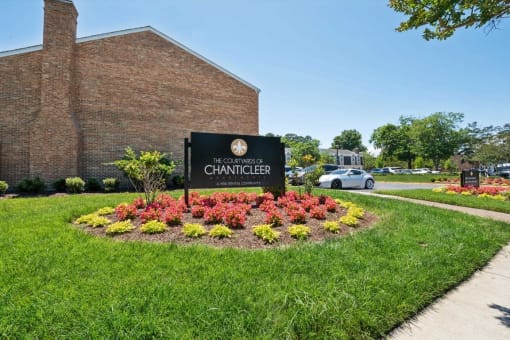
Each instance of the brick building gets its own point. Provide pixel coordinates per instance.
(71, 105)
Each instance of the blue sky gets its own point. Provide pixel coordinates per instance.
(323, 66)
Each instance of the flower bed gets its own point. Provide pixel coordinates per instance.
(491, 181)
(240, 213)
(498, 193)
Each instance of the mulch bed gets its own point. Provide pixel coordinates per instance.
(242, 238)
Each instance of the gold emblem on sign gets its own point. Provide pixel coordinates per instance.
(239, 147)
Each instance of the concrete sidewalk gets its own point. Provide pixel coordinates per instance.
(479, 308)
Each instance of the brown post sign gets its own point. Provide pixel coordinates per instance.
(470, 178)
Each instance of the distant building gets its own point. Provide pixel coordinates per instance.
(71, 105)
(346, 158)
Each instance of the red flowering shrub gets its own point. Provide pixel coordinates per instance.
(292, 195)
(296, 213)
(194, 198)
(330, 204)
(318, 212)
(234, 216)
(172, 215)
(165, 201)
(246, 208)
(150, 214)
(274, 218)
(214, 215)
(267, 206)
(310, 203)
(208, 202)
(267, 196)
(242, 197)
(197, 211)
(282, 202)
(126, 211)
(139, 203)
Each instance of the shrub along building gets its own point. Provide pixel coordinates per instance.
(71, 105)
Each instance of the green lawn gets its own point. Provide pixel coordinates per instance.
(464, 201)
(56, 281)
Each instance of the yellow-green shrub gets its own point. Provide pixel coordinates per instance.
(498, 197)
(153, 227)
(120, 227)
(344, 204)
(105, 211)
(332, 226)
(93, 220)
(349, 220)
(355, 211)
(299, 231)
(193, 230)
(438, 190)
(220, 231)
(85, 219)
(266, 233)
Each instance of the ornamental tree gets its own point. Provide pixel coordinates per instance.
(146, 172)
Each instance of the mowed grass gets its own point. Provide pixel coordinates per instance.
(57, 281)
(485, 203)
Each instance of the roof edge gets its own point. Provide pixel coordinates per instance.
(137, 30)
(173, 41)
(20, 50)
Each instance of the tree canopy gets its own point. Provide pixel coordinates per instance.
(395, 141)
(305, 150)
(489, 144)
(349, 140)
(438, 136)
(435, 137)
(442, 18)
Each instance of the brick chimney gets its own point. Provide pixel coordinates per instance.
(55, 136)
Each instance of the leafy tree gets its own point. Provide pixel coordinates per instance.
(304, 150)
(487, 145)
(369, 160)
(146, 172)
(349, 140)
(449, 165)
(291, 139)
(437, 137)
(395, 141)
(442, 18)
(419, 162)
(327, 158)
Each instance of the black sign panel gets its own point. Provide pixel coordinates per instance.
(470, 178)
(222, 161)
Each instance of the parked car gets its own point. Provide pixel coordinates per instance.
(421, 171)
(289, 171)
(394, 169)
(347, 178)
(298, 178)
(503, 170)
(379, 171)
(406, 172)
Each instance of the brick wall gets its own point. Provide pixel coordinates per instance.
(142, 91)
(19, 102)
(71, 108)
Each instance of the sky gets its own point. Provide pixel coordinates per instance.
(323, 66)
